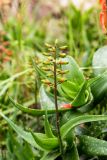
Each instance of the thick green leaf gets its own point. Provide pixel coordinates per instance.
(35, 112)
(99, 87)
(45, 101)
(88, 106)
(45, 142)
(76, 98)
(99, 61)
(48, 130)
(70, 115)
(82, 96)
(23, 134)
(93, 146)
(69, 90)
(78, 120)
(75, 75)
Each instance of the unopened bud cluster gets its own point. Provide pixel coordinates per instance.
(54, 54)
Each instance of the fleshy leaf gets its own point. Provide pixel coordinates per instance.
(48, 130)
(99, 87)
(69, 90)
(45, 101)
(82, 96)
(35, 112)
(88, 106)
(100, 60)
(93, 146)
(45, 142)
(75, 75)
(79, 120)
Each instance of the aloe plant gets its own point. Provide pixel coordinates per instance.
(83, 95)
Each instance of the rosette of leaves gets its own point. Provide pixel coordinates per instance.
(99, 61)
(72, 86)
(81, 93)
(47, 142)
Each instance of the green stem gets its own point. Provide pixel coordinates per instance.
(56, 105)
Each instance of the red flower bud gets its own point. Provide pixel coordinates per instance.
(65, 106)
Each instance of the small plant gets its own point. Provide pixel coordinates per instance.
(71, 138)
